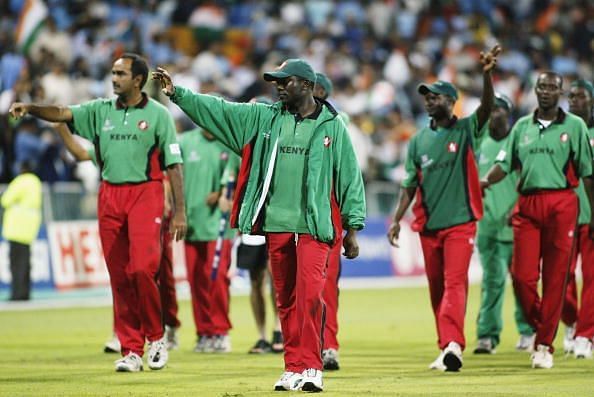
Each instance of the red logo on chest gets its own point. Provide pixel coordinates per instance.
(564, 137)
(142, 125)
(452, 147)
(327, 141)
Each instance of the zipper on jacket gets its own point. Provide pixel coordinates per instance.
(267, 181)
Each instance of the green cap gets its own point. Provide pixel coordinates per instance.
(503, 101)
(585, 84)
(439, 87)
(325, 82)
(292, 67)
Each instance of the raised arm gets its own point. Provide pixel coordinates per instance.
(72, 145)
(488, 61)
(56, 114)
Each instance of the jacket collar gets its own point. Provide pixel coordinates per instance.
(558, 120)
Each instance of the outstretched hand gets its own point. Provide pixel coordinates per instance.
(489, 59)
(165, 80)
(18, 110)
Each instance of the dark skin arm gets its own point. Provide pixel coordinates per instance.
(589, 185)
(495, 175)
(75, 148)
(406, 198)
(56, 114)
(349, 242)
(178, 226)
(488, 60)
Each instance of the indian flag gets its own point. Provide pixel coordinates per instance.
(30, 22)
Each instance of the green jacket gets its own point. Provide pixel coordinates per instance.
(334, 185)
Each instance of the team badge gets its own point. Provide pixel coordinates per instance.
(142, 125)
(224, 156)
(452, 147)
(564, 137)
(327, 141)
(592, 142)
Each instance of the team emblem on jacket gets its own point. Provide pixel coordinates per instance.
(327, 141)
(452, 147)
(142, 125)
(224, 156)
(564, 137)
(592, 142)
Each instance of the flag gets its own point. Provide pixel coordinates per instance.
(31, 20)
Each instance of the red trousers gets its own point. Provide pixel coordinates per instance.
(130, 231)
(584, 318)
(299, 275)
(167, 281)
(447, 255)
(544, 229)
(210, 299)
(330, 295)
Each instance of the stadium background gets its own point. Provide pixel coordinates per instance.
(375, 52)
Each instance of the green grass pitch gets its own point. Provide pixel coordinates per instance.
(387, 337)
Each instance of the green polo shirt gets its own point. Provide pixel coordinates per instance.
(549, 158)
(500, 198)
(585, 211)
(441, 163)
(205, 162)
(286, 202)
(132, 144)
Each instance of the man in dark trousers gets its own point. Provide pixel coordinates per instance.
(299, 180)
(134, 138)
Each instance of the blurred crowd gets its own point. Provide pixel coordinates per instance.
(375, 52)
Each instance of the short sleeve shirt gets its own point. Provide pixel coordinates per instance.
(132, 144)
(585, 210)
(549, 158)
(441, 163)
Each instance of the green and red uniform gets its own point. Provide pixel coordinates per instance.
(299, 180)
(133, 145)
(441, 165)
(205, 162)
(494, 242)
(584, 318)
(551, 160)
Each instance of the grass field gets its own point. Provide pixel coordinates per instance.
(387, 337)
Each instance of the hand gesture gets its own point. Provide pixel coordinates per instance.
(351, 247)
(165, 80)
(18, 110)
(393, 234)
(489, 59)
(178, 226)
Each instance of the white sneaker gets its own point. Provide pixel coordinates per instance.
(130, 363)
(582, 348)
(484, 346)
(113, 345)
(312, 381)
(568, 339)
(452, 357)
(171, 338)
(330, 359)
(221, 344)
(542, 358)
(438, 363)
(157, 354)
(288, 381)
(526, 343)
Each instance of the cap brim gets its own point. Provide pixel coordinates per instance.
(272, 76)
(424, 89)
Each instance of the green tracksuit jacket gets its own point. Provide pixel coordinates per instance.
(333, 186)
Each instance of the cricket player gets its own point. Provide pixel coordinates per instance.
(323, 90)
(299, 180)
(495, 237)
(205, 162)
(551, 150)
(442, 171)
(166, 279)
(134, 138)
(580, 324)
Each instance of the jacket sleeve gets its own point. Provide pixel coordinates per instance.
(231, 123)
(348, 181)
(13, 193)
